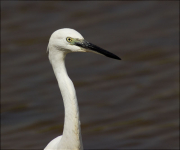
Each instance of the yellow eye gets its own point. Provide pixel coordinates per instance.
(69, 39)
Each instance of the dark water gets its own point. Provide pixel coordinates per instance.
(132, 103)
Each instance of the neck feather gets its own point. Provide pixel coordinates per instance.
(71, 138)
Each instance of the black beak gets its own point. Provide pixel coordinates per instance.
(89, 46)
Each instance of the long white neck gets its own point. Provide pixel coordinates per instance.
(71, 138)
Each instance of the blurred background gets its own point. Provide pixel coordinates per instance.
(132, 103)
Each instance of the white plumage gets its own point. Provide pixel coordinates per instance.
(61, 42)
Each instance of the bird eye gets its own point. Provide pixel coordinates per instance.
(69, 39)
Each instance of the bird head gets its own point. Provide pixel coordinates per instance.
(69, 40)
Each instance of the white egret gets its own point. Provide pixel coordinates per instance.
(61, 42)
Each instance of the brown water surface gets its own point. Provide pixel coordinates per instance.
(132, 103)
